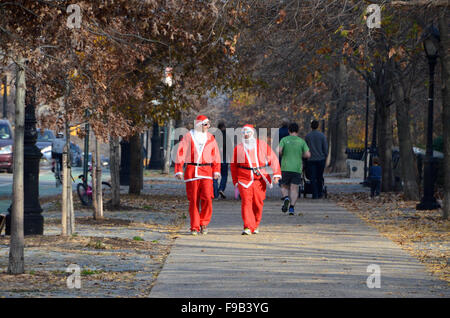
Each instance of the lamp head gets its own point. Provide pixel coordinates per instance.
(431, 42)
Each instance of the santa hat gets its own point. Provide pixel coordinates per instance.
(248, 128)
(200, 120)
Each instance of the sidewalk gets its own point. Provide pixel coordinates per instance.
(323, 251)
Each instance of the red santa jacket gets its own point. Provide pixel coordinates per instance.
(257, 158)
(201, 162)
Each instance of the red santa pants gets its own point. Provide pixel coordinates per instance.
(252, 203)
(200, 194)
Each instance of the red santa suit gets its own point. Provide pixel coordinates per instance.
(200, 153)
(250, 176)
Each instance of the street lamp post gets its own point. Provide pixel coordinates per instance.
(428, 202)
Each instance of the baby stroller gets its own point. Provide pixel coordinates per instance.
(306, 186)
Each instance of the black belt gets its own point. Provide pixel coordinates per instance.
(199, 164)
(255, 169)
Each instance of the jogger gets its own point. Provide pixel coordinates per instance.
(292, 149)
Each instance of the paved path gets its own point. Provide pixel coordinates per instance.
(47, 185)
(323, 252)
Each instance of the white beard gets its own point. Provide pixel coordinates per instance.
(249, 143)
(200, 138)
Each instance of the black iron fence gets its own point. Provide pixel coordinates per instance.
(355, 153)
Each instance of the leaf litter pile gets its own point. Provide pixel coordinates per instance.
(423, 234)
(110, 266)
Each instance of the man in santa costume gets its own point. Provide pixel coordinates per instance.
(250, 158)
(199, 150)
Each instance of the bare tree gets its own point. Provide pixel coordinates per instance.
(445, 65)
(97, 199)
(16, 251)
(114, 166)
(338, 120)
(135, 164)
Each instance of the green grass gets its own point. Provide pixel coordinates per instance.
(138, 238)
(97, 245)
(87, 272)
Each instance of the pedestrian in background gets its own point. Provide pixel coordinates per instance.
(292, 149)
(315, 165)
(220, 188)
(58, 144)
(375, 178)
(283, 131)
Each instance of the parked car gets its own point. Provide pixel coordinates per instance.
(44, 142)
(6, 146)
(104, 160)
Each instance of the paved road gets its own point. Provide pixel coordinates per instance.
(47, 185)
(324, 252)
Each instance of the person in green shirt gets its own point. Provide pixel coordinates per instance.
(292, 149)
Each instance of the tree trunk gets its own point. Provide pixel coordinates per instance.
(330, 144)
(385, 143)
(16, 251)
(67, 219)
(332, 138)
(94, 188)
(340, 164)
(407, 163)
(64, 210)
(306, 125)
(382, 91)
(135, 165)
(338, 122)
(97, 199)
(445, 66)
(114, 169)
(167, 161)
